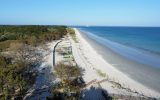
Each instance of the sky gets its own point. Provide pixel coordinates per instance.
(80, 12)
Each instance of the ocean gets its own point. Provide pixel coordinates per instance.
(133, 50)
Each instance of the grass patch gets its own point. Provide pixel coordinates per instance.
(100, 73)
(74, 38)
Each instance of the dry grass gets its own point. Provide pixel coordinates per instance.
(72, 34)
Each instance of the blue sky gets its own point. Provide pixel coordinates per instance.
(81, 12)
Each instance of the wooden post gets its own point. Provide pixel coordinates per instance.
(53, 57)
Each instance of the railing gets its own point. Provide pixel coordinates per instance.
(54, 52)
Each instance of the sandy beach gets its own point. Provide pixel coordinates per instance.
(98, 73)
(80, 50)
(94, 65)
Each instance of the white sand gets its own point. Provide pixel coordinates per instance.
(87, 58)
(44, 78)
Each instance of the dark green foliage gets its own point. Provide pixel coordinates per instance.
(13, 78)
(21, 30)
(32, 35)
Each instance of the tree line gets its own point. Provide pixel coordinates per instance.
(32, 35)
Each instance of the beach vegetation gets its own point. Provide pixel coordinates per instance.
(72, 34)
(100, 73)
(32, 34)
(66, 72)
(68, 87)
(19, 56)
(14, 79)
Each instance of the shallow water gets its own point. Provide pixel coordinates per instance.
(138, 64)
(146, 38)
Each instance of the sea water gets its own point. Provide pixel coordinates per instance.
(133, 50)
(141, 44)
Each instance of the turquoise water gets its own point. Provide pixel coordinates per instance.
(141, 44)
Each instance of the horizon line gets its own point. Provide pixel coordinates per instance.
(77, 25)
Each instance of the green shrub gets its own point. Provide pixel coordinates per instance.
(45, 33)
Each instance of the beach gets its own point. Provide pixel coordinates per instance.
(80, 50)
(87, 57)
(138, 64)
(99, 74)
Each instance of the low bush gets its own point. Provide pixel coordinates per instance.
(68, 87)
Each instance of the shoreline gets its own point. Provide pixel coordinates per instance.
(130, 52)
(144, 74)
(97, 62)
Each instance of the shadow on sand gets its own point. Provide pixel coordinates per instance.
(95, 93)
